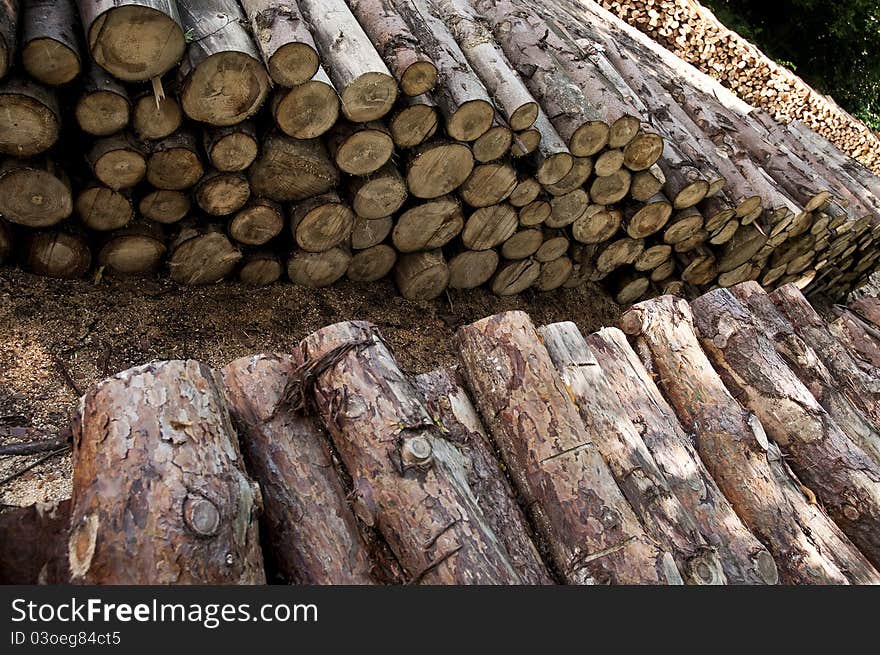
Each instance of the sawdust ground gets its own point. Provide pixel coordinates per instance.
(59, 337)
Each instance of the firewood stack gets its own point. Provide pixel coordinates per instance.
(491, 472)
(515, 144)
(692, 31)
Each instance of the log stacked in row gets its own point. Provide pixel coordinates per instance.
(447, 143)
(577, 468)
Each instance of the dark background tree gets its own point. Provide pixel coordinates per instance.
(834, 46)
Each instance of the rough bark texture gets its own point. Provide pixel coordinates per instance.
(408, 480)
(50, 41)
(159, 490)
(592, 532)
(308, 525)
(34, 545)
(284, 40)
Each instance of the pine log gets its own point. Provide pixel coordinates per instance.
(627, 286)
(591, 532)
(201, 254)
(683, 225)
(566, 209)
(449, 405)
(367, 233)
(461, 98)
(58, 254)
(231, 149)
(34, 546)
(421, 275)
(362, 79)
(647, 183)
(470, 269)
(429, 225)
(645, 219)
(743, 558)
(397, 45)
(514, 277)
(9, 15)
(284, 40)
(30, 118)
(488, 184)
(156, 118)
(525, 192)
(555, 245)
(652, 257)
(580, 172)
(554, 273)
(525, 142)
(135, 250)
(50, 41)
(260, 268)
(622, 448)
(257, 223)
(744, 245)
(399, 459)
(414, 122)
(174, 163)
(535, 213)
(164, 206)
(380, 194)
(699, 265)
(493, 144)
(291, 170)
(102, 209)
(34, 193)
(522, 244)
(223, 79)
(844, 478)
(868, 308)
(103, 106)
(371, 264)
(135, 40)
(312, 533)
(222, 194)
(597, 224)
(202, 518)
(321, 223)
(731, 441)
(489, 227)
(860, 337)
(307, 110)
(612, 188)
(619, 253)
(435, 169)
(119, 161)
(318, 269)
(553, 158)
(361, 149)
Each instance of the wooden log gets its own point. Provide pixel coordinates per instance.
(522, 244)
(34, 548)
(292, 169)
(470, 269)
(30, 118)
(555, 245)
(362, 79)
(608, 162)
(231, 149)
(284, 40)
(622, 448)
(164, 206)
(5, 241)
(307, 110)
(462, 100)
(488, 184)
(260, 268)
(525, 192)
(515, 276)
(257, 223)
(134, 40)
(868, 308)
(103, 209)
(8, 35)
(597, 224)
(58, 254)
(566, 209)
(699, 265)
(448, 403)
(744, 559)
(135, 250)
(311, 531)
(857, 379)
(493, 144)
(618, 253)
(611, 189)
(647, 183)
(414, 122)
(806, 363)
(554, 273)
(731, 441)
(435, 169)
(489, 227)
(744, 245)
(652, 257)
(371, 264)
(397, 45)
(580, 172)
(381, 194)
(859, 336)
(103, 106)
(223, 79)
(201, 254)
(318, 269)
(367, 233)
(397, 458)
(525, 142)
(222, 194)
(683, 225)
(642, 220)
(845, 479)
(548, 451)
(174, 162)
(421, 275)
(627, 286)
(119, 161)
(321, 223)
(553, 158)
(206, 514)
(50, 42)
(534, 214)
(34, 193)
(428, 225)
(154, 117)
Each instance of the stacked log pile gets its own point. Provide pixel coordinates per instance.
(712, 446)
(514, 144)
(695, 34)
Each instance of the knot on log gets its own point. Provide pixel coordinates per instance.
(416, 451)
(201, 515)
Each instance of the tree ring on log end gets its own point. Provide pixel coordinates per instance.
(554, 168)
(642, 152)
(649, 219)
(515, 277)
(28, 126)
(132, 254)
(224, 89)
(589, 139)
(50, 61)
(413, 125)
(418, 78)
(364, 152)
(524, 116)
(472, 268)
(201, 516)
(691, 194)
(369, 97)
(623, 131)
(293, 63)
(34, 198)
(471, 120)
(439, 170)
(307, 110)
(317, 269)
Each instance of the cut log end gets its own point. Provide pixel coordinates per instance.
(59, 255)
(293, 63)
(524, 116)
(413, 125)
(156, 122)
(472, 268)
(203, 259)
(307, 110)
(493, 144)
(623, 131)
(34, 197)
(29, 126)
(418, 78)
(554, 168)
(515, 277)
(422, 275)
(470, 121)
(439, 169)
(224, 89)
(589, 139)
(369, 97)
(318, 269)
(50, 61)
(642, 152)
(261, 270)
(371, 264)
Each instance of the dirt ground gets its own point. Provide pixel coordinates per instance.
(57, 338)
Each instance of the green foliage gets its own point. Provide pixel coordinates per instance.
(834, 46)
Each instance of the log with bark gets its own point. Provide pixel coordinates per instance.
(175, 162)
(194, 521)
(120, 161)
(103, 106)
(34, 546)
(292, 169)
(318, 269)
(50, 41)
(367, 233)
(414, 122)
(428, 225)
(360, 149)
(284, 40)
(9, 13)
(57, 253)
(101, 208)
(421, 275)
(154, 117)
(34, 193)
(592, 533)
(310, 530)
(260, 268)
(371, 264)
(164, 206)
(435, 169)
(469, 269)
(321, 223)
(137, 249)
(30, 117)
(408, 480)
(201, 254)
(257, 223)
